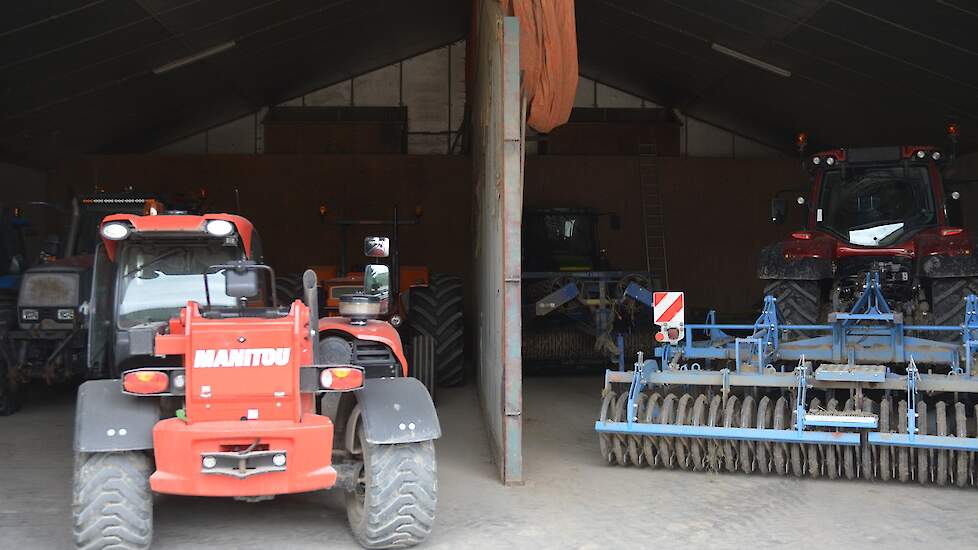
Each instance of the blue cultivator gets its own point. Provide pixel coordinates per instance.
(866, 397)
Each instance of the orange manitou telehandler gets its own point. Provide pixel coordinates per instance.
(207, 387)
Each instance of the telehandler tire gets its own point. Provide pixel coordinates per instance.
(393, 505)
(112, 504)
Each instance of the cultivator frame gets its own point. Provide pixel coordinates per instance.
(868, 349)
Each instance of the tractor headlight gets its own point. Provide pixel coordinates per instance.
(220, 228)
(115, 231)
(66, 315)
(29, 315)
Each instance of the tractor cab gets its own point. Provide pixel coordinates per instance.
(563, 239)
(874, 211)
(147, 269)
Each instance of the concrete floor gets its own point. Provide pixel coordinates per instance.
(571, 499)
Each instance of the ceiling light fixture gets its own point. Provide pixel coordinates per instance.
(193, 58)
(751, 60)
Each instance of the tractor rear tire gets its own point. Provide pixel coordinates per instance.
(112, 505)
(799, 302)
(947, 304)
(393, 505)
(436, 311)
(423, 362)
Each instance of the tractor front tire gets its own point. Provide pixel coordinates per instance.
(947, 304)
(423, 362)
(799, 302)
(393, 505)
(112, 504)
(436, 311)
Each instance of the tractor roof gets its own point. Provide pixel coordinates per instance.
(178, 226)
(892, 153)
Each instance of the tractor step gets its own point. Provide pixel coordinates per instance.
(850, 373)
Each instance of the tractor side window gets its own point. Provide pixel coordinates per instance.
(100, 313)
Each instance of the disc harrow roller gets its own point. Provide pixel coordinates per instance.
(864, 461)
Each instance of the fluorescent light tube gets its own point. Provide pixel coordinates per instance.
(751, 60)
(193, 58)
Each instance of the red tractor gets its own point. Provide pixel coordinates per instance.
(883, 210)
(211, 388)
(425, 307)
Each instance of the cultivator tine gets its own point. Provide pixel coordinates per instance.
(714, 419)
(779, 451)
(635, 441)
(667, 415)
(649, 444)
(681, 447)
(604, 439)
(762, 449)
(941, 470)
(923, 455)
(868, 460)
(814, 463)
(698, 449)
(903, 453)
(886, 456)
(618, 444)
(962, 468)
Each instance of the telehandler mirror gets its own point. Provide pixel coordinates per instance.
(376, 279)
(777, 211)
(376, 247)
(241, 283)
(615, 222)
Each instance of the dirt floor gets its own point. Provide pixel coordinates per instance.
(571, 498)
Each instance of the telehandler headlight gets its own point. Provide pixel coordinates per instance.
(220, 228)
(115, 231)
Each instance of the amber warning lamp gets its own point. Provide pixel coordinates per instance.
(801, 140)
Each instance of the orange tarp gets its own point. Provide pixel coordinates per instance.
(548, 59)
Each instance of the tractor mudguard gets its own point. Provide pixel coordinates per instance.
(108, 420)
(940, 266)
(397, 410)
(772, 265)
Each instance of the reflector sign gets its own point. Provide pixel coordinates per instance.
(669, 312)
(668, 308)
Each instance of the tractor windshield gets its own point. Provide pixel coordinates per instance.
(156, 280)
(567, 240)
(876, 206)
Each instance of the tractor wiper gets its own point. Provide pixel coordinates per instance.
(155, 260)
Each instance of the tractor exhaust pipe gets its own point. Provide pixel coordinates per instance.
(310, 292)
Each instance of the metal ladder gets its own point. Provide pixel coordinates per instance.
(653, 214)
